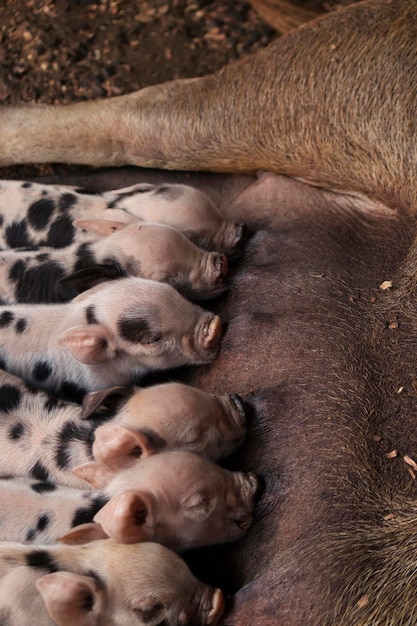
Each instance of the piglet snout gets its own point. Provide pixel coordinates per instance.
(238, 410)
(210, 332)
(218, 605)
(220, 267)
(254, 484)
(232, 238)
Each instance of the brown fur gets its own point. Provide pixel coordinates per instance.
(285, 15)
(310, 105)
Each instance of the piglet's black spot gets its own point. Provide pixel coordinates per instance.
(42, 257)
(90, 314)
(137, 330)
(17, 270)
(26, 185)
(53, 403)
(17, 431)
(43, 560)
(72, 432)
(6, 318)
(41, 284)
(1, 220)
(86, 514)
(72, 392)
(44, 486)
(85, 256)
(17, 236)
(21, 325)
(41, 524)
(40, 212)
(10, 397)
(169, 192)
(61, 232)
(66, 201)
(39, 472)
(41, 370)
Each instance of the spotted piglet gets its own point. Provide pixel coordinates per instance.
(175, 498)
(46, 438)
(106, 336)
(147, 250)
(101, 584)
(34, 511)
(34, 214)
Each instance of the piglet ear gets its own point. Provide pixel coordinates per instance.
(89, 277)
(105, 228)
(104, 399)
(118, 447)
(84, 533)
(89, 344)
(124, 517)
(70, 599)
(94, 474)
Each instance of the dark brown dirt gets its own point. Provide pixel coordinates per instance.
(58, 51)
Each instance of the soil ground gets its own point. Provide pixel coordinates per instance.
(64, 51)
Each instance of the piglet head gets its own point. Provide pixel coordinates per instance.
(140, 325)
(169, 416)
(175, 498)
(139, 584)
(230, 238)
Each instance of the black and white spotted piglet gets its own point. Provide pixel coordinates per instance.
(45, 438)
(106, 336)
(34, 511)
(101, 584)
(34, 214)
(147, 250)
(175, 498)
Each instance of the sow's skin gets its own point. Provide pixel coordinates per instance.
(326, 359)
(102, 584)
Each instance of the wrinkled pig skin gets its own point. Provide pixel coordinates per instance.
(326, 359)
(102, 584)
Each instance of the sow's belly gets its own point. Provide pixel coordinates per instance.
(324, 358)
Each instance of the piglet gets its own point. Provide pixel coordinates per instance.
(141, 249)
(34, 214)
(106, 336)
(181, 500)
(101, 584)
(175, 498)
(169, 416)
(35, 511)
(45, 438)
(183, 207)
